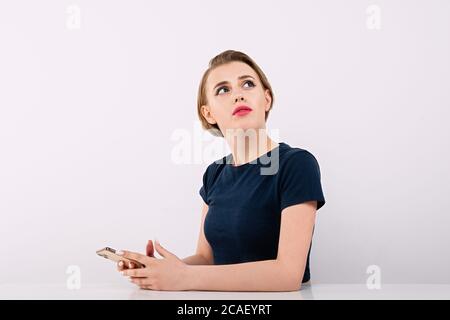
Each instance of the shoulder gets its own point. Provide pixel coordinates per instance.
(298, 163)
(298, 158)
(213, 169)
(299, 178)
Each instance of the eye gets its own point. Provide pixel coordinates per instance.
(219, 90)
(250, 82)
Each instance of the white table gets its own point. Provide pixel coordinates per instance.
(312, 291)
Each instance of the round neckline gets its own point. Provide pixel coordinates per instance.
(253, 162)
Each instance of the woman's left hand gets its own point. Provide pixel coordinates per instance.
(168, 273)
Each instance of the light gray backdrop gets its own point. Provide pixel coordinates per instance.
(95, 95)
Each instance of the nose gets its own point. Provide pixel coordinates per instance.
(240, 98)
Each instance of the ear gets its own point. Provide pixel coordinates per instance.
(268, 99)
(206, 112)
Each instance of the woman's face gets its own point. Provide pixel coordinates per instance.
(232, 85)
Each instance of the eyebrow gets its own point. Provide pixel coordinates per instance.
(225, 82)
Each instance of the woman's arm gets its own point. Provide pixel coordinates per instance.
(267, 275)
(282, 274)
(195, 259)
(204, 253)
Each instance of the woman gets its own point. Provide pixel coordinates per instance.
(260, 201)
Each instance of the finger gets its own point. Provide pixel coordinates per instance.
(139, 281)
(122, 265)
(139, 272)
(148, 287)
(134, 256)
(132, 278)
(150, 251)
(134, 265)
(162, 251)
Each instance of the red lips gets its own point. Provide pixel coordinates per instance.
(240, 108)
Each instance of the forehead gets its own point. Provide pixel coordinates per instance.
(230, 72)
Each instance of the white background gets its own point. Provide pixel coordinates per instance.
(88, 116)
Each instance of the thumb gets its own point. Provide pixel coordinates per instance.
(162, 251)
(150, 250)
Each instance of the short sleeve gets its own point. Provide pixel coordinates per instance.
(204, 188)
(300, 180)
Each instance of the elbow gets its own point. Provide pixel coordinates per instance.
(293, 277)
(292, 286)
(293, 281)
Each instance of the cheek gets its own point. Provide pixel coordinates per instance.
(258, 100)
(261, 105)
(221, 114)
(222, 107)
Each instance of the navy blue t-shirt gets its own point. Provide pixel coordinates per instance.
(245, 202)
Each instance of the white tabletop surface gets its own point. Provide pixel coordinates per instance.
(308, 292)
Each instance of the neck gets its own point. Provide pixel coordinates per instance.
(246, 147)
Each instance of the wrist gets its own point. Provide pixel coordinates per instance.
(190, 277)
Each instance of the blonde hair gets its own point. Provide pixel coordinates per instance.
(221, 59)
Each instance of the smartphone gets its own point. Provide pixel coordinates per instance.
(109, 253)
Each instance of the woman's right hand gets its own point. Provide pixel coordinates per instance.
(122, 265)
